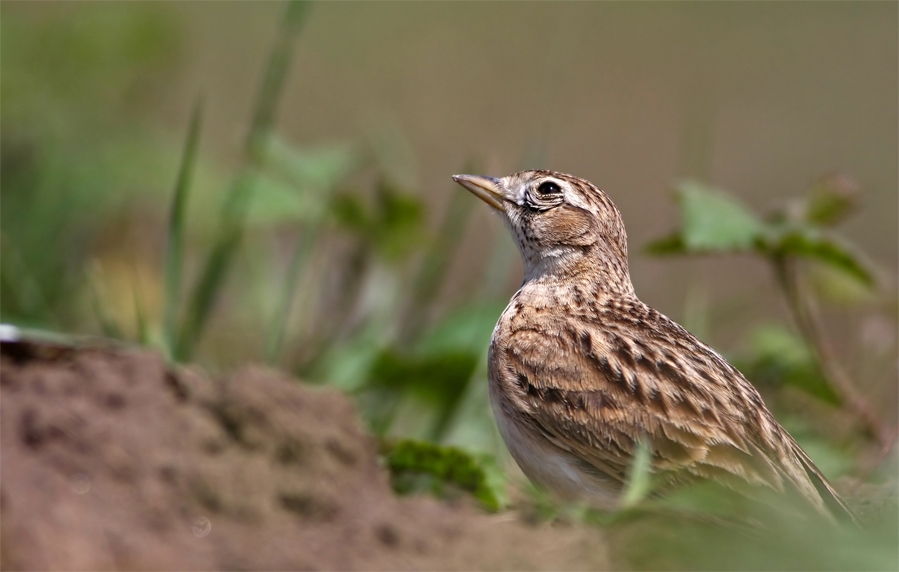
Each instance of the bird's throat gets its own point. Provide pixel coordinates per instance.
(566, 265)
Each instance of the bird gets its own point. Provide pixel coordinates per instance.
(582, 373)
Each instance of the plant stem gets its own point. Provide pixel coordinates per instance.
(175, 245)
(811, 331)
(302, 252)
(273, 83)
(211, 281)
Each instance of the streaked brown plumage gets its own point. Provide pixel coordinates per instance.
(581, 370)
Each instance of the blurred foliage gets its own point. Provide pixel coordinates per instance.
(450, 465)
(393, 224)
(208, 287)
(323, 260)
(75, 150)
(705, 527)
(639, 479)
(776, 356)
(713, 222)
(104, 232)
(175, 253)
(779, 360)
(830, 200)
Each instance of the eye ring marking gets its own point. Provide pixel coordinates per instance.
(548, 188)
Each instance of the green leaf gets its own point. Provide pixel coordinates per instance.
(449, 464)
(393, 224)
(399, 229)
(714, 222)
(298, 183)
(837, 287)
(806, 242)
(350, 213)
(107, 324)
(437, 381)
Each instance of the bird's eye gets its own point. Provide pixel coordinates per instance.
(548, 188)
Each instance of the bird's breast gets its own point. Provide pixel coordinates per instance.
(544, 463)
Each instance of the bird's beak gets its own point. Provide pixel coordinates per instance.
(485, 188)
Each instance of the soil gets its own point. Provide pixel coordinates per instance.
(111, 459)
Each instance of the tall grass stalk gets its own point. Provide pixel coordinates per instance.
(140, 316)
(175, 250)
(211, 280)
(94, 282)
(301, 254)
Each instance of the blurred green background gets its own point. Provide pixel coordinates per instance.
(316, 227)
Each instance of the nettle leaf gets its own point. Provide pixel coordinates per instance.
(807, 242)
(448, 464)
(713, 221)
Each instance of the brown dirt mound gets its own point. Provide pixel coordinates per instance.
(111, 460)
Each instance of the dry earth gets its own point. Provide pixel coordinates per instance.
(113, 460)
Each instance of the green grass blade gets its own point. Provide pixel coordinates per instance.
(275, 338)
(273, 83)
(175, 250)
(225, 246)
(638, 482)
(143, 330)
(301, 254)
(212, 278)
(107, 325)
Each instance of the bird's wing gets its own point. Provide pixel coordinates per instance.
(596, 391)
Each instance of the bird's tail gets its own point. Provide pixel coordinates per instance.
(832, 499)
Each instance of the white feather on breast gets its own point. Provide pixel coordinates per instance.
(547, 466)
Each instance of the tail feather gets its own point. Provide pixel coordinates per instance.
(832, 499)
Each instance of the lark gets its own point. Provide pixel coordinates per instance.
(582, 373)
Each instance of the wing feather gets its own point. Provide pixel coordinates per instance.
(607, 390)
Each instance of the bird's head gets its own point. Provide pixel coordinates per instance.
(564, 226)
